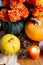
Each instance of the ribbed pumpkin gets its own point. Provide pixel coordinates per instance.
(34, 29)
(14, 28)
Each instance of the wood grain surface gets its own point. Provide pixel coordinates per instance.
(28, 61)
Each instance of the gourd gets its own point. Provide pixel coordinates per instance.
(10, 44)
(34, 29)
(13, 27)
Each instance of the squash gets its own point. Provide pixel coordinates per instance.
(13, 27)
(10, 44)
(34, 29)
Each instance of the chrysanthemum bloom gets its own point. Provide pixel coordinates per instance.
(4, 15)
(20, 10)
(38, 3)
(5, 2)
(31, 2)
(37, 12)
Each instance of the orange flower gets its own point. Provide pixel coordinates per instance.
(4, 15)
(37, 12)
(23, 10)
(14, 15)
(17, 1)
(38, 3)
(30, 1)
(35, 2)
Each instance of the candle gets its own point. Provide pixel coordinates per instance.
(34, 51)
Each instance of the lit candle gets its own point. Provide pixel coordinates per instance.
(34, 51)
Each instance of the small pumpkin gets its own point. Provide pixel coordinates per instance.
(10, 44)
(13, 27)
(34, 29)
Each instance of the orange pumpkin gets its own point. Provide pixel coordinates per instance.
(34, 29)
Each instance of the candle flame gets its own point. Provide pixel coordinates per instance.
(34, 50)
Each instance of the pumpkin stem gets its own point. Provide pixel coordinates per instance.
(37, 22)
(10, 40)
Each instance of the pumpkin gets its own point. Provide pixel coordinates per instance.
(34, 29)
(10, 44)
(14, 28)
